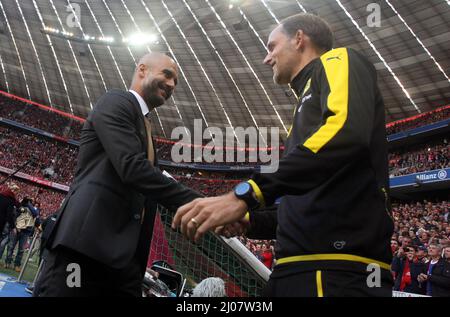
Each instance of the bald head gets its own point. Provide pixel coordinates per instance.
(155, 58)
(155, 78)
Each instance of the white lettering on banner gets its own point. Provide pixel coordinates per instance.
(425, 177)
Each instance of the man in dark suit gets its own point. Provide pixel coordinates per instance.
(7, 204)
(105, 223)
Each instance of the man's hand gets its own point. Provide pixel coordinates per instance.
(154, 274)
(422, 277)
(237, 228)
(202, 214)
(400, 252)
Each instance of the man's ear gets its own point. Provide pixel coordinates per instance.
(299, 39)
(142, 69)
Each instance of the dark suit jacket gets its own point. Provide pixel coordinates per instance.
(398, 266)
(439, 279)
(7, 215)
(101, 215)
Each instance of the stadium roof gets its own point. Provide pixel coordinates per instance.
(219, 49)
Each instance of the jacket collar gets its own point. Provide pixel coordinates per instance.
(142, 103)
(302, 77)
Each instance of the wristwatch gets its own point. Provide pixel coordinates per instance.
(244, 191)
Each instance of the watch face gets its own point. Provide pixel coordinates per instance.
(242, 189)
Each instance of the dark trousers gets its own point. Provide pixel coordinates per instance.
(19, 238)
(4, 240)
(327, 283)
(96, 279)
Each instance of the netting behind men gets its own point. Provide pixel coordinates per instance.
(210, 257)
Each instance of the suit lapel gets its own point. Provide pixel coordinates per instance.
(140, 121)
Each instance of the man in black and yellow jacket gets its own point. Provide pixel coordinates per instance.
(334, 220)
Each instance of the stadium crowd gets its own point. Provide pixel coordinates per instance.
(263, 250)
(419, 158)
(207, 186)
(196, 173)
(421, 248)
(47, 120)
(420, 120)
(165, 149)
(39, 118)
(56, 161)
(52, 160)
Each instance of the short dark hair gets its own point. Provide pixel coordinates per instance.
(315, 27)
(414, 248)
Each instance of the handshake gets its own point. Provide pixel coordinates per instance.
(224, 214)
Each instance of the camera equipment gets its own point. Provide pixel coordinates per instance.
(169, 282)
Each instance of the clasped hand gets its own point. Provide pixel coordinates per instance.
(202, 214)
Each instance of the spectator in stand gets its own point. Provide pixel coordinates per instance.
(424, 238)
(394, 246)
(447, 253)
(412, 235)
(415, 240)
(258, 252)
(267, 256)
(406, 271)
(406, 242)
(422, 254)
(436, 277)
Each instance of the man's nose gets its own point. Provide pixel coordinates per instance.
(170, 83)
(268, 59)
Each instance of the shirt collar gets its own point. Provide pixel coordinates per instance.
(302, 77)
(142, 103)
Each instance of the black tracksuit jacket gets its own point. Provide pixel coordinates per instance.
(333, 176)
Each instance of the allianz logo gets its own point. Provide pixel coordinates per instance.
(442, 174)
